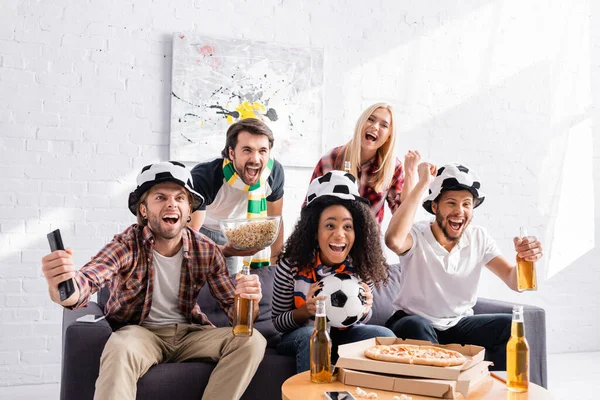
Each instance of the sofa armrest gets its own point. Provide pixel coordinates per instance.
(82, 346)
(535, 332)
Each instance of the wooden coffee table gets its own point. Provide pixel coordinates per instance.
(299, 387)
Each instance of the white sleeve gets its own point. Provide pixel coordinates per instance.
(414, 233)
(490, 247)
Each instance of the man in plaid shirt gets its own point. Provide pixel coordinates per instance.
(155, 270)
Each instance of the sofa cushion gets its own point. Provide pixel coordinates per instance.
(383, 297)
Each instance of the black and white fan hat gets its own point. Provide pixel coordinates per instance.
(334, 183)
(167, 171)
(454, 177)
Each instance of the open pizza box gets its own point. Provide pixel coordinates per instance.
(445, 389)
(351, 356)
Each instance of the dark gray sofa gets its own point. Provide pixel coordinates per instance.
(83, 344)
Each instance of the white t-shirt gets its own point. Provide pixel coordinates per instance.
(440, 285)
(165, 294)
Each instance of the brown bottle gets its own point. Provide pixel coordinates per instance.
(243, 322)
(526, 278)
(320, 348)
(517, 354)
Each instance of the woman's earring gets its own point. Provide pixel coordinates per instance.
(189, 219)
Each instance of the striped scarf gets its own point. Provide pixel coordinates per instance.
(307, 276)
(257, 202)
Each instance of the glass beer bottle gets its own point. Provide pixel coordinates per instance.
(517, 354)
(320, 348)
(243, 312)
(526, 279)
(347, 166)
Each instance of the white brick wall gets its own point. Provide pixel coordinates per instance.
(508, 88)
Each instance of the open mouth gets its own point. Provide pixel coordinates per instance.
(456, 224)
(252, 172)
(371, 137)
(337, 247)
(171, 219)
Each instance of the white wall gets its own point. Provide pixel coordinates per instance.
(506, 87)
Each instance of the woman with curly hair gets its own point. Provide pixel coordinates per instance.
(336, 233)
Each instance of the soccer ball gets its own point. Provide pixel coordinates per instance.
(344, 299)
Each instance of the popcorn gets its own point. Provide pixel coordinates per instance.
(402, 397)
(253, 234)
(361, 393)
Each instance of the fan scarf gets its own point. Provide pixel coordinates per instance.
(257, 202)
(305, 277)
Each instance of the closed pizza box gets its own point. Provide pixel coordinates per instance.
(444, 389)
(351, 356)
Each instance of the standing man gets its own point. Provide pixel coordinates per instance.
(155, 270)
(245, 183)
(442, 262)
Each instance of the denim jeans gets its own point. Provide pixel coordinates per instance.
(234, 264)
(297, 342)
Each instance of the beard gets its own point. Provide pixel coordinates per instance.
(164, 230)
(442, 223)
(243, 172)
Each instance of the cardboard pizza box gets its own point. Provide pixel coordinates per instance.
(351, 356)
(444, 389)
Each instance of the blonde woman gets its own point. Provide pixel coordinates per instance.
(380, 175)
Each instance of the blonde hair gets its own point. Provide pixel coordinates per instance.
(385, 172)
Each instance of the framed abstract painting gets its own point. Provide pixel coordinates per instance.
(217, 82)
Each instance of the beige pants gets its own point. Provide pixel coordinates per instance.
(132, 350)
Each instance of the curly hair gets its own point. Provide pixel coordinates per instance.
(366, 253)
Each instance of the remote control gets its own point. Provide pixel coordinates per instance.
(66, 288)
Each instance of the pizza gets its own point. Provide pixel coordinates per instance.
(415, 354)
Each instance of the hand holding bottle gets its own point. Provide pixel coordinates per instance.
(528, 248)
(311, 302)
(247, 296)
(248, 287)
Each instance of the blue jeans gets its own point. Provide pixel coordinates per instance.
(234, 264)
(297, 342)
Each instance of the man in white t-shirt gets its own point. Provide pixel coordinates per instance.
(442, 262)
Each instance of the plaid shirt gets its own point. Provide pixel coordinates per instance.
(125, 264)
(334, 160)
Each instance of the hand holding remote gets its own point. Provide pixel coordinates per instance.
(65, 288)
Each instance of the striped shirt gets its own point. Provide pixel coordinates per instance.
(289, 284)
(334, 160)
(125, 265)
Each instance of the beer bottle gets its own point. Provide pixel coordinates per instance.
(517, 354)
(243, 312)
(347, 166)
(526, 279)
(320, 348)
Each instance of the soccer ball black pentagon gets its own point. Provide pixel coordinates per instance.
(345, 300)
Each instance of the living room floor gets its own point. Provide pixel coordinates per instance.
(571, 376)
